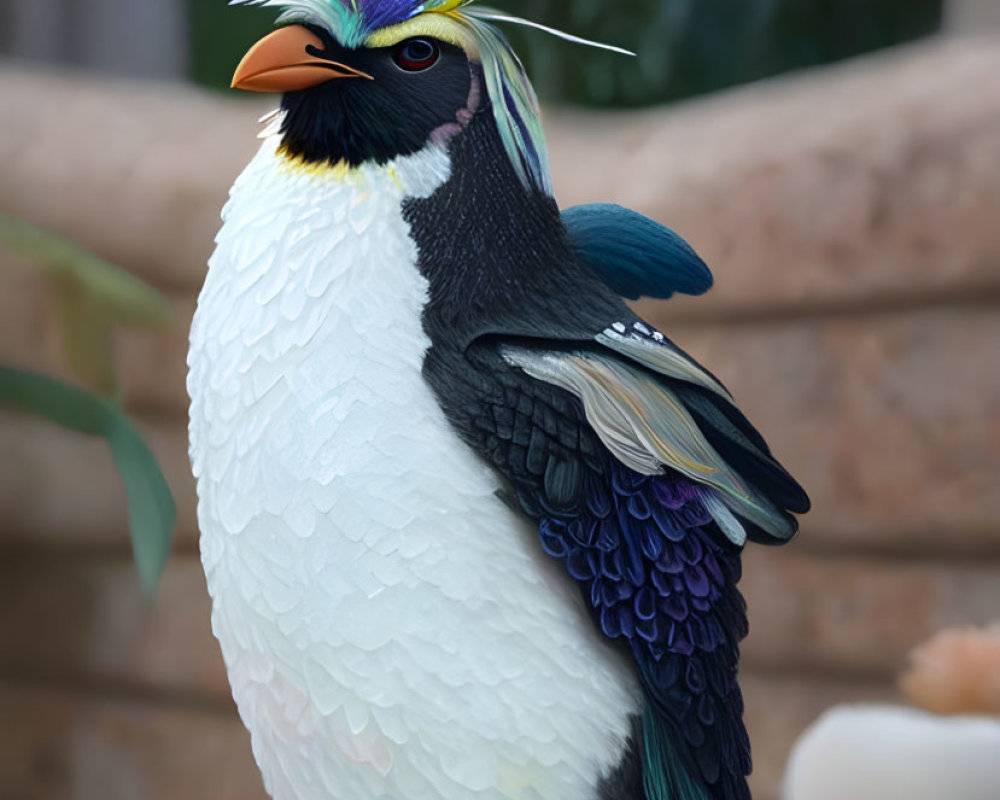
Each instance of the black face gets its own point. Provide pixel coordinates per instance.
(419, 85)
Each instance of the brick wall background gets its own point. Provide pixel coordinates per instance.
(852, 218)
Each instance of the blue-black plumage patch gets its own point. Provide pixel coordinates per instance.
(374, 121)
(657, 575)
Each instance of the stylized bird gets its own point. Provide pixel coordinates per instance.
(471, 527)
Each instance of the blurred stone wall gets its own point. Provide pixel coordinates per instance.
(137, 38)
(974, 15)
(852, 218)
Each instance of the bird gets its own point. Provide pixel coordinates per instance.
(470, 526)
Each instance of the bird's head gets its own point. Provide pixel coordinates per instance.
(374, 80)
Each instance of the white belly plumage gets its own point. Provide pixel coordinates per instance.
(391, 629)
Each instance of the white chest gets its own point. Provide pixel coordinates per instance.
(391, 629)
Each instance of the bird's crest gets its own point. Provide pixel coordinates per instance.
(379, 23)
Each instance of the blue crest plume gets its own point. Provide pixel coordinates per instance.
(515, 107)
(351, 20)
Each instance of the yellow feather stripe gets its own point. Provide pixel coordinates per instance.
(446, 27)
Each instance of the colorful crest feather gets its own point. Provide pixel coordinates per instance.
(515, 106)
(351, 21)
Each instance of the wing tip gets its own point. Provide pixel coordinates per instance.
(635, 255)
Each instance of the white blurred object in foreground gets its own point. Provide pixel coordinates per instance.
(888, 752)
(884, 752)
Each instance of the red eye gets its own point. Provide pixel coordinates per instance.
(415, 55)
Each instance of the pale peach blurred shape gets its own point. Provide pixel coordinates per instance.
(956, 672)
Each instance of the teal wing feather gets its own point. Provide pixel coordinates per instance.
(664, 776)
(634, 255)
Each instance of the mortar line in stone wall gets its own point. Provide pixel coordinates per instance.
(156, 412)
(60, 553)
(986, 297)
(166, 279)
(819, 672)
(115, 691)
(985, 555)
(29, 550)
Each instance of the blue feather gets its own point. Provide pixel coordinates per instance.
(661, 578)
(634, 255)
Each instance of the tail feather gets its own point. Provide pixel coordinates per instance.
(664, 776)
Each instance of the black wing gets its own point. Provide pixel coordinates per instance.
(646, 516)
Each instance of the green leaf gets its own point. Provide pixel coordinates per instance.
(60, 402)
(126, 297)
(151, 509)
(93, 297)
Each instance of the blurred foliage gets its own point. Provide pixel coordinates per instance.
(685, 47)
(93, 297)
(151, 510)
(691, 47)
(221, 35)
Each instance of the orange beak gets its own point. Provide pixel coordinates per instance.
(282, 62)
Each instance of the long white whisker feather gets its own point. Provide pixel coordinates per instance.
(499, 16)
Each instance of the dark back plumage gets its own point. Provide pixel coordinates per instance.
(642, 475)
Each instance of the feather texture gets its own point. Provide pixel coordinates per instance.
(634, 255)
(586, 418)
(643, 422)
(357, 23)
(388, 624)
(351, 20)
(655, 569)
